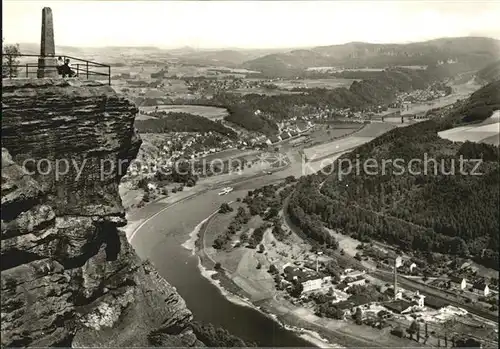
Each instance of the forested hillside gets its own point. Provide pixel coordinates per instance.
(435, 207)
(475, 52)
(478, 107)
(490, 73)
(182, 122)
(376, 89)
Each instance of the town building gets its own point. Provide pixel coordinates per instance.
(482, 288)
(458, 282)
(435, 303)
(356, 281)
(399, 306)
(351, 273)
(419, 299)
(309, 279)
(311, 285)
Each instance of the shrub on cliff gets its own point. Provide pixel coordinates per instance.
(225, 208)
(10, 54)
(218, 337)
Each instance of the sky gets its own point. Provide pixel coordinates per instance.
(248, 24)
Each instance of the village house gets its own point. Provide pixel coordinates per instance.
(458, 282)
(284, 135)
(399, 306)
(275, 139)
(481, 287)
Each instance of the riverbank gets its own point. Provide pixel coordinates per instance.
(190, 274)
(237, 295)
(307, 326)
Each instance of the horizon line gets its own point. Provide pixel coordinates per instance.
(159, 47)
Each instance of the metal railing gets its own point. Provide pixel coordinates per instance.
(81, 67)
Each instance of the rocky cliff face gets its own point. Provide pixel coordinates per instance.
(68, 275)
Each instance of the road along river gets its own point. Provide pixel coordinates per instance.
(159, 230)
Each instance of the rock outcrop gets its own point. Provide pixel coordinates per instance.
(69, 277)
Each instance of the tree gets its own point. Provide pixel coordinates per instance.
(219, 243)
(426, 338)
(297, 290)
(261, 248)
(215, 337)
(225, 208)
(10, 54)
(218, 266)
(413, 329)
(448, 327)
(358, 316)
(273, 269)
(244, 237)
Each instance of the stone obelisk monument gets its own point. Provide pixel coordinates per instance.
(47, 61)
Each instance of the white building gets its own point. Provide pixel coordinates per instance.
(351, 273)
(315, 284)
(412, 266)
(311, 285)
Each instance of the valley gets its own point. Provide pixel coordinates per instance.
(337, 194)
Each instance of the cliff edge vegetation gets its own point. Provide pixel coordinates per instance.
(69, 277)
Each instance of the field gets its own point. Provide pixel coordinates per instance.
(217, 225)
(212, 113)
(262, 91)
(232, 70)
(323, 150)
(230, 154)
(486, 132)
(473, 134)
(318, 83)
(325, 134)
(414, 67)
(364, 69)
(336, 69)
(364, 135)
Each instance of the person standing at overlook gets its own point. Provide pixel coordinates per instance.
(66, 69)
(59, 65)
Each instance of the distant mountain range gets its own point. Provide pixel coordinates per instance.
(474, 51)
(188, 55)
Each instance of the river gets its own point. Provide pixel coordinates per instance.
(160, 240)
